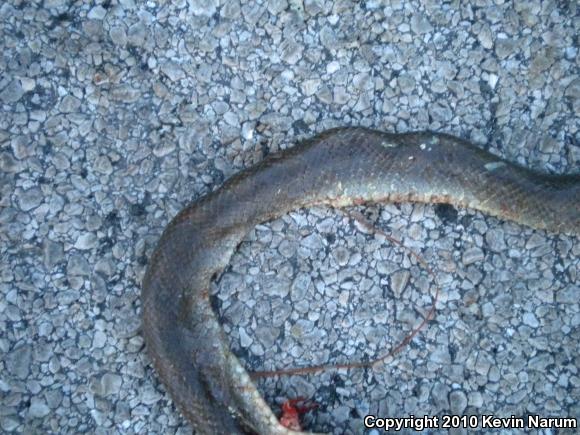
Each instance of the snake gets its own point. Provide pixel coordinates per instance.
(338, 168)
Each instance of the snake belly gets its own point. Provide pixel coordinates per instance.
(339, 167)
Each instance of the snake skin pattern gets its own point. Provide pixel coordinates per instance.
(340, 167)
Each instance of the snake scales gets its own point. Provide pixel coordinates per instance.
(340, 167)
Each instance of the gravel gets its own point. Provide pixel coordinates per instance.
(116, 114)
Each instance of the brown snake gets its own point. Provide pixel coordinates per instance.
(340, 167)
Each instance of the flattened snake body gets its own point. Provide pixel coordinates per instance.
(339, 167)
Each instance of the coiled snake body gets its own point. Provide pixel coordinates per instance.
(340, 167)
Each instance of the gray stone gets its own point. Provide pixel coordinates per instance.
(78, 266)
(125, 93)
(18, 361)
(300, 286)
(535, 241)
(99, 339)
(420, 24)
(406, 83)
(495, 239)
(38, 408)
(276, 6)
(476, 399)
(97, 13)
(69, 104)
(291, 52)
(457, 402)
(399, 281)
(440, 112)
(339, 95)
(530, 320)
(12, 92)
(86, 241)
(309, 87)
(248, 129)
(482, 364)
(230, 10)
(54, 366)
(230, 282)
(485, 38)
(287, 248)
(472, 255)
(173, 71)
(103, 165)
(312, 241)
(541, 61)
(540, 362)
(8, 423)
(277, 121)
(137, 34)
(232, 119)
(110, 384)
(8, 164)
(30, 199)
(328, 37)
(277, 286)
(568, 295)
(53, 253)
(571, 52)
(441, 355)
(505, 47)
(267, 336)
(118, 35)
(150, 395)
(440, 394)
(341, 255)
(245, 340)
(573, 89)
(203, 7)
